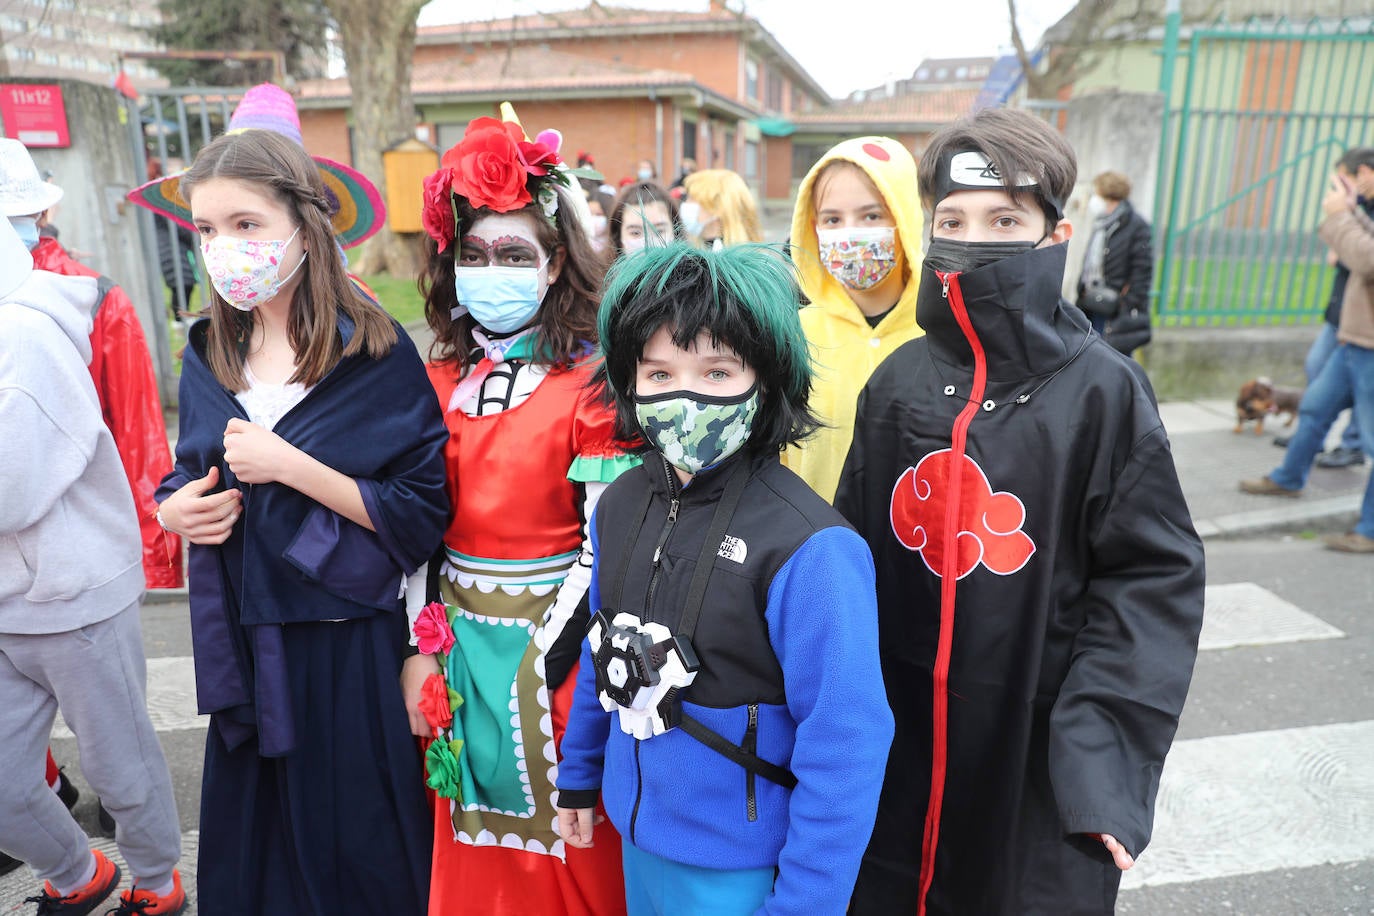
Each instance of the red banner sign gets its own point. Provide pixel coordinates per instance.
(34, 114)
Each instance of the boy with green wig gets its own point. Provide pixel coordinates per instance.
(729, 709)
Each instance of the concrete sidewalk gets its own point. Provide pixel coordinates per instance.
(1212, 460)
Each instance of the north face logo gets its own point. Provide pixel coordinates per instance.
(733, 548)
(988, 526)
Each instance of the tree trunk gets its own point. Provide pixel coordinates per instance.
(379, 47)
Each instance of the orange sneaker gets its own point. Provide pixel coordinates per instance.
(136, 900)
(83, 900)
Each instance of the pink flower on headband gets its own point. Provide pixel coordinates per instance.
(437, 216)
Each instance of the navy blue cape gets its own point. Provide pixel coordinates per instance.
(290, 559)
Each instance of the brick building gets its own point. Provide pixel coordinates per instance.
(628, 84)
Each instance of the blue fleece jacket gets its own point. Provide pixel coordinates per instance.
(674, 797)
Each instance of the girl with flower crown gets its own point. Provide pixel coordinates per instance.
(309, 479)
(511, 289)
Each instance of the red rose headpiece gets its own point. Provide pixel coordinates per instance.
(497, 167)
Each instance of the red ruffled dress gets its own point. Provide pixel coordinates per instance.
(524, 471)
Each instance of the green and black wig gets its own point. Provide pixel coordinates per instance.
(745, 296)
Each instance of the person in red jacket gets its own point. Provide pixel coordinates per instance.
(121, 364)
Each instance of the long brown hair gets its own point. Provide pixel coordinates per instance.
(283, 170)
(567, 316)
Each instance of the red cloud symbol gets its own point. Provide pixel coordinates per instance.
(988, 523)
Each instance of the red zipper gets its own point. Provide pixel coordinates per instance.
(949, 577)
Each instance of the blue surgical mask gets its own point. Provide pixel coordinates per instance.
(500, 299)
(26, 227)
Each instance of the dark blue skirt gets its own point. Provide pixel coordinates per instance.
(339, 825)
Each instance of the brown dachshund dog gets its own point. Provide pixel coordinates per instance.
(1260, 397)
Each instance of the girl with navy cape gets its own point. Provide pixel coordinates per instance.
(309, 480)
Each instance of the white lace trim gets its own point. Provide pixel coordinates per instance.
(266, 403)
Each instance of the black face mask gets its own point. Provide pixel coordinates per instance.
(953, 256)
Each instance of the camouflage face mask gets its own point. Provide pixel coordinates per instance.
(695, 431)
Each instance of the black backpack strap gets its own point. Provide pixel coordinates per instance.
(726, 748)
(612, 598)
(696, 597)
(706, 559)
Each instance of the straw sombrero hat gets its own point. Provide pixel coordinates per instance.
(360, 211)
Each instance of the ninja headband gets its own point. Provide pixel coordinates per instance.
(971, 170)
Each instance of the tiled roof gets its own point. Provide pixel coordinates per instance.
(930, 107)
(592, 16)
(523, 69)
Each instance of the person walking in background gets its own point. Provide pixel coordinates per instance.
(720, 209)
(176, 257)
(1040, 584)
(856, 241)
(1347, 378)
(511, 287)
(749, 786)
(310, 482)
(1119, 266)
(121, 364)
(1357, 165)
(70, 585)
(644, 215)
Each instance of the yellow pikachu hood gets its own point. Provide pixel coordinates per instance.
(891, 168)
(845, 348)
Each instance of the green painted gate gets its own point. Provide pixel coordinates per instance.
(1252, 130)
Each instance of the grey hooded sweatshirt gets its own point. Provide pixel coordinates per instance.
(69, 539)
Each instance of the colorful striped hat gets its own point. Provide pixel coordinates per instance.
(359, 211)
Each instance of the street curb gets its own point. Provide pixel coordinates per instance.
(1283, 518)
(164, 596)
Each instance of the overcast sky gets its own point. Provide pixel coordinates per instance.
(844, 44)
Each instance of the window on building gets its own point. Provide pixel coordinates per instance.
(942, 73)
(751, 160)
(961, 73)
(730, 149)
(796, 98)
(751, 79)
(776, 88)
(689, 139)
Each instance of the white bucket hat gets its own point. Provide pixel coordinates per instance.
(15, 261)
(22, 190)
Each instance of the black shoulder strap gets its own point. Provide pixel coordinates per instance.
(706, 559)
(696, 597)
(750, 761)
(612, 599)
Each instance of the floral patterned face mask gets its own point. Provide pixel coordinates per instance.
(858, 258)
(246, 271)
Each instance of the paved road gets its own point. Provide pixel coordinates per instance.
(1267, 801)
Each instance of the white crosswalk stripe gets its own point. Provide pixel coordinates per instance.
(1260, 801)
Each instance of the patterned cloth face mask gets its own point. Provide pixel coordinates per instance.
(858, 258)
(246, 272)
(697, 431)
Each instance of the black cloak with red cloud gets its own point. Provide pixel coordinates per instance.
(1040, 592)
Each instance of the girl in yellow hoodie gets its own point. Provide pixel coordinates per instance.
(856, 241)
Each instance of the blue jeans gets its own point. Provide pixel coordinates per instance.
(1347, 380)
(1321, 351)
